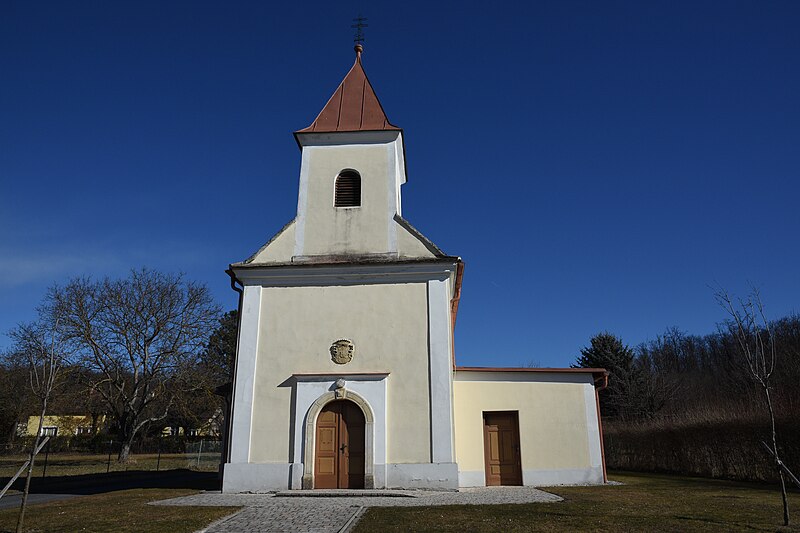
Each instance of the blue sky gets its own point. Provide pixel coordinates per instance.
(597, 165)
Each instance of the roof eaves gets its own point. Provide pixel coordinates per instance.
(569, 370)
(252, 257)
(348, 260)
(597, 373)
(425, 241)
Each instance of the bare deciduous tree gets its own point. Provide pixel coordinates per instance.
(756, 342)
(44, 348)
(15, 395)
(141, 335)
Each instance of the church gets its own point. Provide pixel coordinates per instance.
(345, 371)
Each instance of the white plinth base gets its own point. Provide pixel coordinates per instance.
(267, 477)
(259, 477)
(539, 478)
(437, 476)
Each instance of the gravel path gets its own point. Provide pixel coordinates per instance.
(268, 513)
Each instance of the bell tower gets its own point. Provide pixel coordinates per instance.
(352, 167)
(347, 299)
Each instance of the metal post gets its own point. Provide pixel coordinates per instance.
(108, 464)
(158, 461)
(781, 465)
(199, 451)
(23, 467)
(46, 455)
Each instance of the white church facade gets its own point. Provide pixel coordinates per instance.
(345, 373)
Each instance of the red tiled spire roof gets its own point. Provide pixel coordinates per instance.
(353, 107)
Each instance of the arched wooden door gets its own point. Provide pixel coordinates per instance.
(339, 447)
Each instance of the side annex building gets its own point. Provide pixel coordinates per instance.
(345, 373)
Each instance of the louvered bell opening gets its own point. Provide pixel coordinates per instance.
(348, 190)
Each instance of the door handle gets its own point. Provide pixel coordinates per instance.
(342, 447)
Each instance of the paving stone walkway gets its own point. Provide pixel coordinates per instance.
(268, 513)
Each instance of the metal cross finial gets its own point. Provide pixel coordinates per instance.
(360, 24)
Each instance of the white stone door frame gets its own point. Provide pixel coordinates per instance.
(368, 391)
(311, 433)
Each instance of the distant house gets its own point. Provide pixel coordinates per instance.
(61, 425)
(210, 428)
(180, 431)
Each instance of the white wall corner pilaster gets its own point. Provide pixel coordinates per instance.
(393, 192)
(592, 426)
(244, 385)
(440, 371)
(302, 203)
(401, 171)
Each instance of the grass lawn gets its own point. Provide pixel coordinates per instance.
(123, 511)
(78, 464)
(646, 502)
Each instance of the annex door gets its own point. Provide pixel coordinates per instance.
(501, 448)
(339, 447)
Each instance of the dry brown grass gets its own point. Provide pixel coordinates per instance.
(729, 449)
(78, 464)
(645, 502)
(119, 512)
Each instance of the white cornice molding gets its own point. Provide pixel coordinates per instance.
(333, 376)
(585, 378)
(320, 275)
(339, 138)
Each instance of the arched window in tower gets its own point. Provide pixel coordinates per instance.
(348, 189)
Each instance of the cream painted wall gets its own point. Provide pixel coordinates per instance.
(280, 249)
(328, 230)
(552, 419)
(320, 229)
(388, 325)
(409, 245)
(66, 424)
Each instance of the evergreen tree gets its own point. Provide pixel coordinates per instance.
(609, 352)
(221, 348)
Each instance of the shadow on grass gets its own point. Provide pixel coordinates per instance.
(114, 481)
(667, 478)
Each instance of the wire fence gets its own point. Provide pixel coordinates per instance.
(203, 454)
(102, 442)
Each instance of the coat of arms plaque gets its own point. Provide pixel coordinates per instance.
(342, 351)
